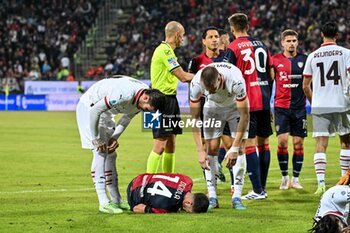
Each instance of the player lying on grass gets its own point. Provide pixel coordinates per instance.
(333, 211)
(99, 132)
(165, 193)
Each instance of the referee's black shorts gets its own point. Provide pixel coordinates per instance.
(171, 116)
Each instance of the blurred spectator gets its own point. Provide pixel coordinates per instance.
(267, 17)
(36, 37)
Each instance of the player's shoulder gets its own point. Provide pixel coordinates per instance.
(277, 57)
(184, 178)
(200, 56)
(163, 49)
(197, 77)
(234, 44)
(301, 56)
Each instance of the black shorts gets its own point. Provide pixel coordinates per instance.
(291, 121)
(171, 113)
(260, 124)
(227, 130)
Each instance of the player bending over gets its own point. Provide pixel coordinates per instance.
(333, 211)
(99, 132)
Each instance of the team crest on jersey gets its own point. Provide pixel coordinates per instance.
(283, 76)
(300, 64)
(167, 52)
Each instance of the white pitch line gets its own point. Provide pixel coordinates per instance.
(49, 191)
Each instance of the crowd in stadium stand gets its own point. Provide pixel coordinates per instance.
(38, 40)
(267, 19)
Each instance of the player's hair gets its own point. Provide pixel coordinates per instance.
(209, 76)
(329, 29)
(222, 32)
(327, 224)
(200, 203)
(288, 32)
(239, 21)
(204, 34)
(156, 99)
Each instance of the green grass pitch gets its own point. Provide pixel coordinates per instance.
(46, 186)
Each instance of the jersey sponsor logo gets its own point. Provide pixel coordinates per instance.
(172, 62)
(290, 85)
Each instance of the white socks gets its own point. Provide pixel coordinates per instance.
(238, 171)
(344, 160)
(112, 177)
(98, 174)
(210, 176)
(320, 167)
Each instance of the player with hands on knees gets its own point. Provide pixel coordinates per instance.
(98, 131)
(224, 89)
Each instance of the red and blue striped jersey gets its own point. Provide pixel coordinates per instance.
(253, 58)
(162, 192)
(200, 61)
(289, 81)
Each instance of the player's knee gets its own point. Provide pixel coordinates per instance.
(212, 151)
(321, 148)
(170, 145)
(298, 144)
(345, 145)
(159, 146)
(345, 141)
(283, 143)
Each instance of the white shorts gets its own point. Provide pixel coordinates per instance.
(229, 115)
(106, 125)
(329, 123)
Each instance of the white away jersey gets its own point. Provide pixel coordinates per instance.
(232, 87)
(328, 67)
(119, 94)
(335, 201)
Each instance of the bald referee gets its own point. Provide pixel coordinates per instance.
(165, 73)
